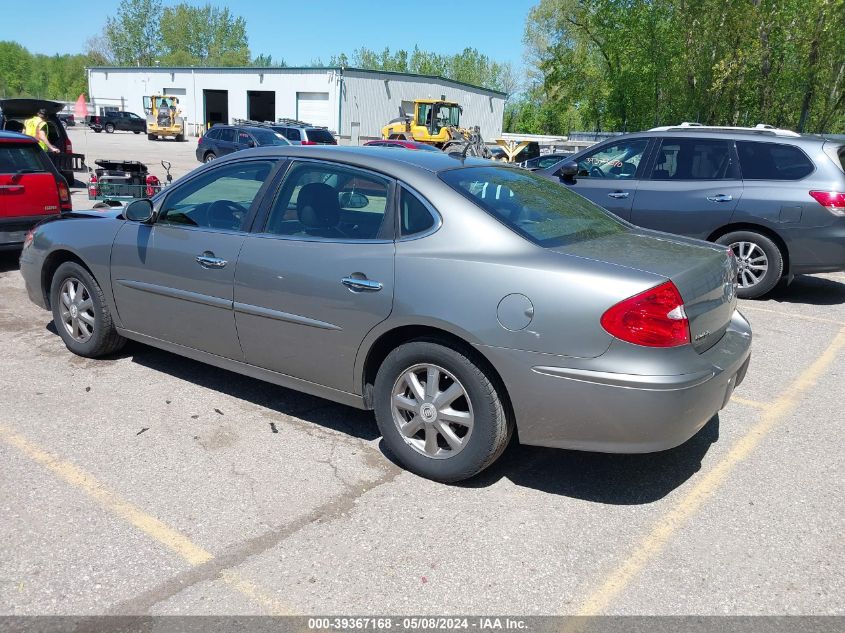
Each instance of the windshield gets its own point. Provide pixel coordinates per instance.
(448, 115)
(267, 137)
(544, 212)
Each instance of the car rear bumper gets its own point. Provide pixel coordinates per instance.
(14, 230)
(816, 249)
(582, 409)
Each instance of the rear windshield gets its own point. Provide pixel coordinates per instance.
(21, 157)
(772, 161)
(542, 211)
(321, 136)
(267, 137)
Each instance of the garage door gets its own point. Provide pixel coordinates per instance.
(313, 108)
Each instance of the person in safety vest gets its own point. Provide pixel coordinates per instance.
(36, 127)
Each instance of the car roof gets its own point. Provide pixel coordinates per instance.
(15, 137)
(380, 158)
(746, 134)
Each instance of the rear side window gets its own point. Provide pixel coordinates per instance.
(694, 159)
(541, 211)
(227, 134)
(21, 157)
(414, 215)
(292, 134)
(320, 136)
(772, 161)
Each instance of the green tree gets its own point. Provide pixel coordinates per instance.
(134, 35)
(206, 35)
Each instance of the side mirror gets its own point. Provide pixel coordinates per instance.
(139, 210)
(352, 200)
(568, 172)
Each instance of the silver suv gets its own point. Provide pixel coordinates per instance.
(777, 198)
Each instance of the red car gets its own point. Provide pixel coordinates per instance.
(31, 188)
(395, 143)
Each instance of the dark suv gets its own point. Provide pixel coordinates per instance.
(225, 139)
(777, 198)
(299, 133)
(15, 112)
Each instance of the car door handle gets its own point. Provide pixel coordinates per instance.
(618, 194)
(720, 197)
(208, 260)
(361, 285)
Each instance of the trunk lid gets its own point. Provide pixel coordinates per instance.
(704, 274)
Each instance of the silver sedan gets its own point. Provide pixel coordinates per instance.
(460, 300)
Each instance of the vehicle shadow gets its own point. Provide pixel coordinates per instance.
(812, 290)
(601, 477)
(9, 260)
(598, 477)
(338, 417)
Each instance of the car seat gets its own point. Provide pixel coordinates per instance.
(318, 210)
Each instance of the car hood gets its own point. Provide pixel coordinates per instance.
(28, 107)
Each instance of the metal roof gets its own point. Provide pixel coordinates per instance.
(260, 69)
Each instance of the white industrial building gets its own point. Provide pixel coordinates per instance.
(353, 103)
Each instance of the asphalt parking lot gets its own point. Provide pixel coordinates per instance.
(152, 484)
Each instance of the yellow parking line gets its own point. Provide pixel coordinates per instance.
(180, 544)
(654, 542)
(755, 404)
(792, 315)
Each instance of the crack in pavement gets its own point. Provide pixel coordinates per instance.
(222, 563)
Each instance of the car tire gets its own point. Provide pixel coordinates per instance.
(209, 156)
(180, 138)
(754, 250)
(136, 131)
(151, 137)
(97, 131)
(109, 128)
(429, 452)
(92, 335)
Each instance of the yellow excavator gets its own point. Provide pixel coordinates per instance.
(436, 122)
(164, 118)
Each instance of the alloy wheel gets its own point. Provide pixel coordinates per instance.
(752, 262)
(432, 410)
(77, 310)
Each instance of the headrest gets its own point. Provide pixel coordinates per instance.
(317, 206)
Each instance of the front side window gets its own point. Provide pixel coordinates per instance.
(772, 161)
(694, 159)
(228, 135)
(543, 212)
(329, 201)
(618, 161)
(219, 199)
(424, 114)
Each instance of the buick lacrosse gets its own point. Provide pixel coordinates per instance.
(459, 300)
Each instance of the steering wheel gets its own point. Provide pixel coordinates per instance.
(226, 214)
(595, 172)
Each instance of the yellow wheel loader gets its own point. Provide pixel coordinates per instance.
(437, 123)
(164, 118)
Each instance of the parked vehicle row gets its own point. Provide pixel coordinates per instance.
(775, 197)
(460, 300)
(221, 140)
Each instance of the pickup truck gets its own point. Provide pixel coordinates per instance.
(112, 121)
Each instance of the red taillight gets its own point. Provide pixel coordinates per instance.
(199, 141)
(833, 201)
(654, 318)
(64, 195)
(68, 146)
(308, 143)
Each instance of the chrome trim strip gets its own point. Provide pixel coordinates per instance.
(246, 308)
(175, 293)
(628, 381)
